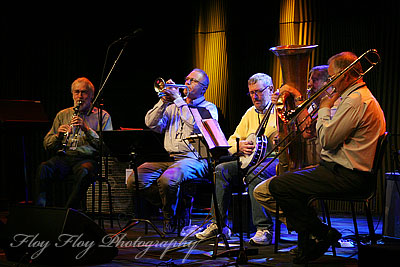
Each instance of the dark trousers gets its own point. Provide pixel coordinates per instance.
(293, 190)
(56, 168)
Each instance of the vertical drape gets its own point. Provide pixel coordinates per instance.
(296, 27)
(210, 51)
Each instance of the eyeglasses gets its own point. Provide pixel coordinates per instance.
(259, 92)
(191, 80)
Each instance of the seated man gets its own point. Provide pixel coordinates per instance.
(159, 181)
(260, 87)
(73, 136)
(348, 140)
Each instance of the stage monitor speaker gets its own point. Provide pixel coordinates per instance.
(379, 255)
(55, 236)
(391, 223)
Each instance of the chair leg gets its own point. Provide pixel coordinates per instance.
(277, 229)
(322, 204)
(328, 220)
(178, 211)
(370, 223)
(93, 199)
(110, 204)
(353, 212)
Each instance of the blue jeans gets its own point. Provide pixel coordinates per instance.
(226, 175)
(160, 181)
(58, 168)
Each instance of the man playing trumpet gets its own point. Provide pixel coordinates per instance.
(159, 181)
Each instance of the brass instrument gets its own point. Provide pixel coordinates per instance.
(294, 64)
(160, 85)
(67, 135)
(308, 102)
(292, 114)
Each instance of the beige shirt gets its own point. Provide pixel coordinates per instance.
(176, 121)
(349, 138)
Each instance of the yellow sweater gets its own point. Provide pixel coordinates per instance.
(249, 124)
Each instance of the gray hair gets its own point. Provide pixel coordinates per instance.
(264, 78)
(321, 72)
(88, 84)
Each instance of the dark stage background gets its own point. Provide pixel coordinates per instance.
(45, 48)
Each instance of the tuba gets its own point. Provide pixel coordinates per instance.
(294, 61)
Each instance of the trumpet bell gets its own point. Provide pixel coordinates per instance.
(160, 85)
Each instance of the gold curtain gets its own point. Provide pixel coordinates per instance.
(296, 27)
(210, 51)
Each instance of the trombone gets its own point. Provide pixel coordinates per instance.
(290, 115)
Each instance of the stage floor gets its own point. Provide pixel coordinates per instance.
(139, 249)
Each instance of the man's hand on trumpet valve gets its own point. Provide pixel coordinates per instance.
(169, 94)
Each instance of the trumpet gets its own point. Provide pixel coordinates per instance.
(160, 85)
(63, 150)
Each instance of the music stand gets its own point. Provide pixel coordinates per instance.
(138, 146)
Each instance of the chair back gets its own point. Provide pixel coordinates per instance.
(380, 151)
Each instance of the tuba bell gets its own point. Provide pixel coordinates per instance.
(294, 61)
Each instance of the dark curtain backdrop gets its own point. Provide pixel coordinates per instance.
(43, 51)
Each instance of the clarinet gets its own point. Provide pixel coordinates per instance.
(64, 147)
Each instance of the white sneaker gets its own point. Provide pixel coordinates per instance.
(212, 230)
(261, 238)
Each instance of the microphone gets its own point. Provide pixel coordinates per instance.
(130, 36)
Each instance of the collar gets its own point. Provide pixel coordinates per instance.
(352, 89)
(198, 101)
(264, 110)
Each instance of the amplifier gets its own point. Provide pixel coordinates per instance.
(391, 223)
(122, 199)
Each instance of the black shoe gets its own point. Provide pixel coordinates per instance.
(169, 226)
(311, 250)
(306, 250)
(331, 239)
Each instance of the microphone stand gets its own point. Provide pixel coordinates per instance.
(95, 102)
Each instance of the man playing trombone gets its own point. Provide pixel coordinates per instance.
(348, 140)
